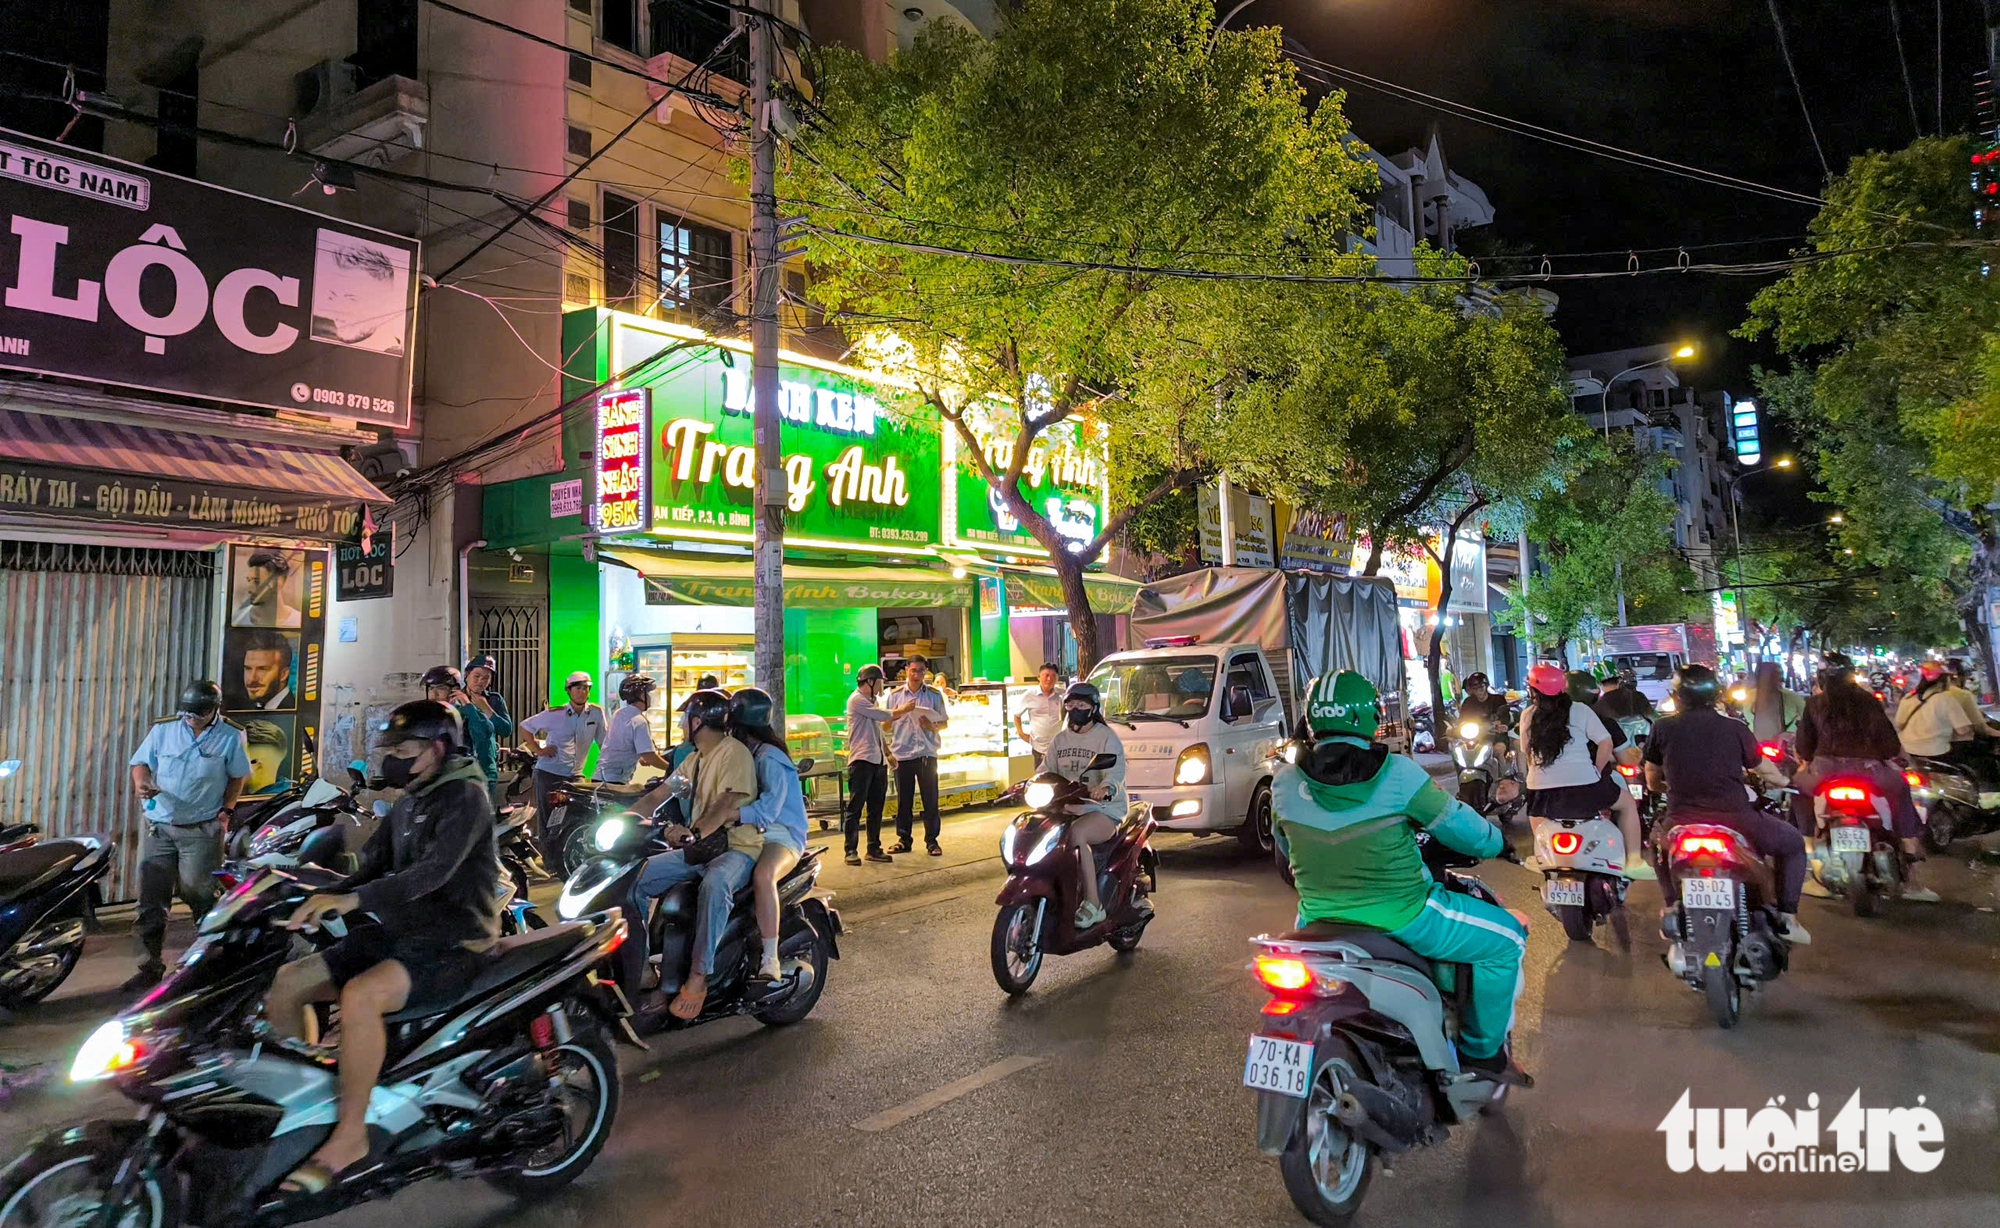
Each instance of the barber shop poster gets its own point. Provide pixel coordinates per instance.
(273, 642)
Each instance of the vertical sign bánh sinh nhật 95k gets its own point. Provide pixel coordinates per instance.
(624, 422)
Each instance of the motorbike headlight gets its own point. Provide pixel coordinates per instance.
(1045, 845)
(577, 894)
(1007, 834)
(1192, 766)
(609, 833)
(1469, 730)
(107, 1052)
(1484, 751)
(1038, 794)
(1291, 752)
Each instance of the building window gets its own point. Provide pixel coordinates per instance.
(621, 24)
(697, 269)
(579, 215)
(579, 70)
(385, 40)
(621, 251)
(579, 142)
(693, 30)
(800, 311)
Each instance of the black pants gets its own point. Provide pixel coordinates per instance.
(912, 775)
(867, 785)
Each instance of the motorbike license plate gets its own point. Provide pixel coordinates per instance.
(1557, 892)
(1281, 1066)
(1708, 893)
(1638, 791)
(1848, 838)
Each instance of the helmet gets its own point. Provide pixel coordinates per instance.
(1840, 661)
(1696, 686)
(751, 708)
(1612, 677)
(1477, 678)
(1343, 705)
(443, 675)
(1955, 666)
(1581, 686)
(202, 698)
(636, 689)
(707, 708)
(423, 720)
(1547, 680)
(1931, 670)
(869, 673)
(1085, 693)
(483, 660)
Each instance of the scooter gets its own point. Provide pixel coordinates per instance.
(1582, 881)
(576, 807)
(1479, 753)
(49, 896)
(1951, 803)
(1855, 850)
(1038, 901)
(1355, 1061)
(1722, 925)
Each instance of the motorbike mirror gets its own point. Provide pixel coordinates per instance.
(805, 765)
(1102, 763)
(679, 786)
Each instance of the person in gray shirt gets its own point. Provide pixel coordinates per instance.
(919, 714)
(867, 764)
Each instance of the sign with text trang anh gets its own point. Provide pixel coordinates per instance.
(1066, 478)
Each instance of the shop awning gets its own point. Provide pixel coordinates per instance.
(679, 579)
(113, 471)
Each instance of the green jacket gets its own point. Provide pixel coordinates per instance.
(1353, 848)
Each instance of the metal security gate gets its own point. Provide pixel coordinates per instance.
(516, 631)
(96, 643)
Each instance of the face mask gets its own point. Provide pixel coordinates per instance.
(396, 772)
(1079, 717)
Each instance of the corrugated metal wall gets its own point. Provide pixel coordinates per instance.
(96, 643)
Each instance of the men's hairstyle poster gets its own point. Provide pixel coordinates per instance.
(272, 652)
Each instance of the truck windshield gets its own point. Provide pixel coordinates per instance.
(1653, 666)
(1173, 688)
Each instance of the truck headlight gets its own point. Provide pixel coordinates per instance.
(1192, 766)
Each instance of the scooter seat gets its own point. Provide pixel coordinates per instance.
(500, 963)
(681, 898)
(1374, 942)
(24, 870)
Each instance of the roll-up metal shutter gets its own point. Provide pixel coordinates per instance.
(96, 643)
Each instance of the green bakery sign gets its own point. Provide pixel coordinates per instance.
(1065, 479)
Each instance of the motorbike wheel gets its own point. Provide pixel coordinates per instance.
(1861, 895)
(799, 1006)
(1255, 834)
(1725, 996)
(583, 1081)
(1938, 833)
(1575, 921)
(1326, 1169)
(66, 1178)
(46, 984)
(1017, 949)
(578, 845)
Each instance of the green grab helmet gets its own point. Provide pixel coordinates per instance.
(1343, 705)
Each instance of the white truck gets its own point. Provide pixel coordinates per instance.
(1206, 702)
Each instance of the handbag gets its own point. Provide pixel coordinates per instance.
(703, 849)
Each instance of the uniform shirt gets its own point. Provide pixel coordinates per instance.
(191, 773)
(628, 737)
(1045, 718)
(911, 738)
(1574, 766)
(1071, 751)
(780, 802)
(725, 767)
(572, 731)
(865, 719)
(1704, 755)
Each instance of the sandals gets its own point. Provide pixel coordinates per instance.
(311, 1178)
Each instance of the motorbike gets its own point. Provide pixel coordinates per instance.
(1582, 881)
(576, 808)
(512, 1079)
(1479, 753)
(49, 896)
(1951, 803)
(1855, 851)
(1721, 924)
(520, 863)
(311, 829)
(1355, 1061)
(1038, 901)
(808, 926)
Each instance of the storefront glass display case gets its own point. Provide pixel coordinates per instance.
(972, 760)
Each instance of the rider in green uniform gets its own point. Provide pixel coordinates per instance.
(1347, 812)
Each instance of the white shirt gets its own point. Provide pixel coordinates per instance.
(1926, 726)
(1575, 766)
(572, 732)
(627, 737)
(1070, 753)
(1044, 715)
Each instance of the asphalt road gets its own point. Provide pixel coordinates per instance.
(919, 1094)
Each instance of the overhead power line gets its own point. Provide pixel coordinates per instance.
(1785, 51)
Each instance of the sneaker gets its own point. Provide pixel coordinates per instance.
(769, 970)
(902, 846)
(1640, 872)
(932, 847)
(144, 979)
(1920, 895)
(1816, 889)
(853, 858)
(879, 855)
(1794, 932)
(1088, 914)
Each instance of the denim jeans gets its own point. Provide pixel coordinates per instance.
(720, 879)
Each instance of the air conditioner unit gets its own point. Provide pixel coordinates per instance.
(323, 86)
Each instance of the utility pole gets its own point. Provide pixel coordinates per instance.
(768, 532)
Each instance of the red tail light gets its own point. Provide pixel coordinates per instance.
(1846, 793)
(1278, 1008)
(1915, 780)
(1880, 698)
(1285, 975)
(1564, 843)
(1628, 769)
(1770, 750)
(1696, 846)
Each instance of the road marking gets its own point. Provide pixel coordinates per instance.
(895, 1116)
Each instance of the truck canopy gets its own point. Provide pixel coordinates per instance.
(1307, 623)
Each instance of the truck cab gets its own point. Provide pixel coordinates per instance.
(1202, 726)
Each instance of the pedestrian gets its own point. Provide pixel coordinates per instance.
(1041, 713)
(867, 764)
(445, 685)
(479, 674)
(919, 714)
(188, 773)
(560, 738)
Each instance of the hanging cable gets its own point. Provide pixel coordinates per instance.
(1903, 62)
(1786, 51)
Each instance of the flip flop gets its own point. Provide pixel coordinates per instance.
(311, 1178)
(688, 1013)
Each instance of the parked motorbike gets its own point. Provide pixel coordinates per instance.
(1038, 901)
(1722, 926)
(312, 830)
(513, 1080)
(1356, 1057)
(576, 808)
(1951, 803)
(520, 864)
(808, 928)
(1582, 881)
(1855, 850)
(49, 895)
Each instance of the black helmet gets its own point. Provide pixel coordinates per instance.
(636, 689)
(443, 675)
(1696, 686)
(1083, 692)
(869, 673)
(1477, 678)
(202, 698)
(1582, 687)
(485, 661)
(1840, 661)
(751, 708)
(708, 707)
(423, 720)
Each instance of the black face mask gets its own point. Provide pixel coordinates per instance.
(1080, 718)
(396, 772)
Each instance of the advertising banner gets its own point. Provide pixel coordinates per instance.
(624, 422)
(121, 274)
(1066, 478)
(271, 659)
(1313, 541)
(1251, 517)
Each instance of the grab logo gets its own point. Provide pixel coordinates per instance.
(1774, 1140)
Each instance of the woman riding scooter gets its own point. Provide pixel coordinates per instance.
(1568, 752)
(1085, 736)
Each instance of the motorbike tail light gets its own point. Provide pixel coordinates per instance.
(1915, 780)
(1696, 846)
(1628, 769)
(1880, 698)
(1285, 975)
(1846, 793)
(1278, 1008)
(1770, 750)
(1565, 843)
(542, 1031)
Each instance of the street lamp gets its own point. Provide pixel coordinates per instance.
(1736, 531)
(1217, 36)
(1684, 350)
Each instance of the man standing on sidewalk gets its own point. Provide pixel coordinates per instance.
(561, 737)
(919, 713)
(187, 773)
(1041, 714)
(867, 764)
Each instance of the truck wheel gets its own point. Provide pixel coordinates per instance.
(1255, 834)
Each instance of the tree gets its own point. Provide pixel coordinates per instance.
(1893, 328)
(1105, 134)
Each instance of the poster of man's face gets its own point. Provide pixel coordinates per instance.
(361, 293)
(268, 741)
(265, 586)
(260, 669)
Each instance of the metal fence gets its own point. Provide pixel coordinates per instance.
(515, 631)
